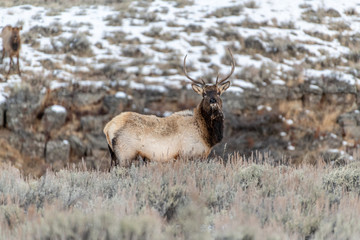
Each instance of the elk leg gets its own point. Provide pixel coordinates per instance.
(140, 160)
(123, 153)
(18, 65)
(11, 61)
(3, 55)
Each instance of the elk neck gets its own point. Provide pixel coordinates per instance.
(15, 43)
(211, 124)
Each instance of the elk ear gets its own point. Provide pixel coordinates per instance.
(222, 88)
(198, 89)
(20, 28)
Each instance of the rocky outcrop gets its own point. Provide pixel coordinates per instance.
(63, 124)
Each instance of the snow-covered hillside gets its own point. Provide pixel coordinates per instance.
(149, 40)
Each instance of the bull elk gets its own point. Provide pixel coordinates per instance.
(190, 133)
(11, 42)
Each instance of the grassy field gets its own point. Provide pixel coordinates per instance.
(250, 199)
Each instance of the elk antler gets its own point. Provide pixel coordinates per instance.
(232, 70)
(193, 80)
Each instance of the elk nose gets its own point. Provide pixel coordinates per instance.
(212, 100)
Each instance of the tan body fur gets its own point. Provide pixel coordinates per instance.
(11, 43)
(157, 138)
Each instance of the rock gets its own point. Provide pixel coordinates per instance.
(92, 124)
(22, 108)
(33, 145)
(115, 104)
(312, 94)
(334, 84)
(77, 146)
(97, 141)
(57, 152)
(54, 117)
(348, 119)
(340, 87)
(311, 89)
(352, 132)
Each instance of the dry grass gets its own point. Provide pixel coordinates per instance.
(183, 200)
(351, 12)
(251, 4)
(227, 11)
(339, 26)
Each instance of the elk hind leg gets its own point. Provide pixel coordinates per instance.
(124, 153)
(140, 160)
(3, 55)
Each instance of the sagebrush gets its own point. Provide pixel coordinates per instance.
(183, 200)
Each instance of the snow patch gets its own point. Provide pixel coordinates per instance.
(58, 109)
(120, 95)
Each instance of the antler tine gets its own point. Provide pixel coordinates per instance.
(186, 74)
(232, 69)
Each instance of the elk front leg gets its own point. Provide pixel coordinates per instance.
(11, 61)
(18, 65)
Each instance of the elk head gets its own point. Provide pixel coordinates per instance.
(211, 102)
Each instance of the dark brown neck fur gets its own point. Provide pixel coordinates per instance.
(15, 43)
(214, 122)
